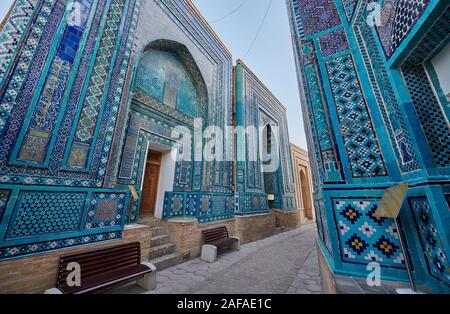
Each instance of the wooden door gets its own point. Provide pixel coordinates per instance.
(151, 179)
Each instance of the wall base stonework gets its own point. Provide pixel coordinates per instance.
(255, 227)
(186, 234)
(37, 273)
(288, 220)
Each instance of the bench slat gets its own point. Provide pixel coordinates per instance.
(107, 279)
(216, 235)
(103, 267)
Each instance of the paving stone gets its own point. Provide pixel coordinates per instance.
(284, 263)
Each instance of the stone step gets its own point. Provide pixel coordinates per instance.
(159, 240)
(166, 261)
(157, 231)
(161, 250)
(151, 222)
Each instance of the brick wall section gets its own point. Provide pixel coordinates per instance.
(255, 227)
(288, 220)
(186, 234)
(37, 273)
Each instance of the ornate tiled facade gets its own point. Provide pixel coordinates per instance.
(52, 197)
(87, 89)
(257, 108)
(370, 99)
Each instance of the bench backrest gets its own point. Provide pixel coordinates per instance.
(211, 235)
(100, 261)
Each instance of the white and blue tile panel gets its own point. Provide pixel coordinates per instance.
(390, 107)
(432, 239)
(364, 238)
(354, 237)
(13, 32)
(39, 219)
(206, 207)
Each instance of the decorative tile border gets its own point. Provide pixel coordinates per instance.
(356, 125)
(430, 238)
(43, 219)
(46, 246)
(364, 238)
(206, 207)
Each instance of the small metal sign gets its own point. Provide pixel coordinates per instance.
(392, 201)
(270, 197)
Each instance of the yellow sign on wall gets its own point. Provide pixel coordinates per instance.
(392, 201)
(133, 192)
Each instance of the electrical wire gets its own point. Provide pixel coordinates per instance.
(259, 29)
(230, 13)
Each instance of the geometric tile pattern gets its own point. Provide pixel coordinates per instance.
(363, 237)
(205, 207)
(4, 197)
(19, 93)
(39, 213)
(21, 70)
(105, 210)
(402, 15)
(333, 42)
(349, 7)
(318, 15)
(430, 113)
(436, 36)
(433, 247)
(391, 113)
(13, 29)
(406, 15)
(94, 97)
(356, 125)
(46, 109)
(27, 249)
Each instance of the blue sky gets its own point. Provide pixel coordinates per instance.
(271, 57)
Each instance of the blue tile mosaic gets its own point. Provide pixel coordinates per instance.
(385, 103)
(39, 213)
(333, 43)
(363, 237)
(355, 122)
(39, 94)
(402, 15)
(317, 15)
(433, 247)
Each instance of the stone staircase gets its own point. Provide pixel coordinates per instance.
(162, 253)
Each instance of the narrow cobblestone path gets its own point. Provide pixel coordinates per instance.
(284, 263)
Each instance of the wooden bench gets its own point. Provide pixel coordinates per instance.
(216, 241)
(104, 268)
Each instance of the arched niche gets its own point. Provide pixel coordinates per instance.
(168, 73)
